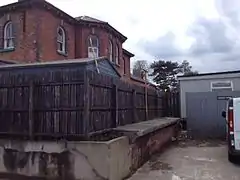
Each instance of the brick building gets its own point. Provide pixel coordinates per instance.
(37, 31)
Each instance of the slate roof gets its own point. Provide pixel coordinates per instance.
(128, 53)
(68, 61)
(80, 61)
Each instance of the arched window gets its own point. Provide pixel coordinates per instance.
(8, 36)
(117, 55)
(61, 40)
(93, 46)
(110, 50)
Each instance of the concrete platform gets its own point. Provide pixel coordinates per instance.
(146, 127)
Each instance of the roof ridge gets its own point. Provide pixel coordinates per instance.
(89, 18)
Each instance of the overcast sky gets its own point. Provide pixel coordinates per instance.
(205, 32)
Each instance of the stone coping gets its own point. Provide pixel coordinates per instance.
(146, 127)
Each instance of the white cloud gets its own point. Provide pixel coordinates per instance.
(148, 21)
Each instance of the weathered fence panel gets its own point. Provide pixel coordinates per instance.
(171, 104)
(101, 102)
(74, 103)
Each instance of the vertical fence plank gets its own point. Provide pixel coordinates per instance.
(114, 106)
(117, 104)
(134, 106)
(86, 105)
(164, 104)
(170, 104)
(30, 112)
(157, 105)
(167, 108)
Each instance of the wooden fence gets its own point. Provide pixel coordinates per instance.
(171, 103)
(74, 104)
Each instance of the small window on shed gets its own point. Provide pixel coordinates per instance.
(222, 86)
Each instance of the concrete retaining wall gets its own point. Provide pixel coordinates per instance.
(68, 160)
(89, 160)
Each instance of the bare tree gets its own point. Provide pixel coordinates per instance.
(139, 68)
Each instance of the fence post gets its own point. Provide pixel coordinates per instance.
(30, 112)
(134, 105)
(115, 106)
(170, 104)
(86, 105)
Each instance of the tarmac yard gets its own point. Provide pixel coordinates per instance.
(190, 160)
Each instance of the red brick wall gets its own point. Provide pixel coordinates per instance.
(48, 37)
(84, 33)
(120, 66)
(127, 64)
(25, 36)
(36, 39)
(147, 145)
(104, 37)
(35, 36)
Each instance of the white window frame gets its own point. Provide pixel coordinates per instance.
(117, 55)
(229, 87)
(61, 41)
(93, 50)
(8, 36)
(110, 50)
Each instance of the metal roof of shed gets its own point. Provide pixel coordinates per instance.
(214, 75)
